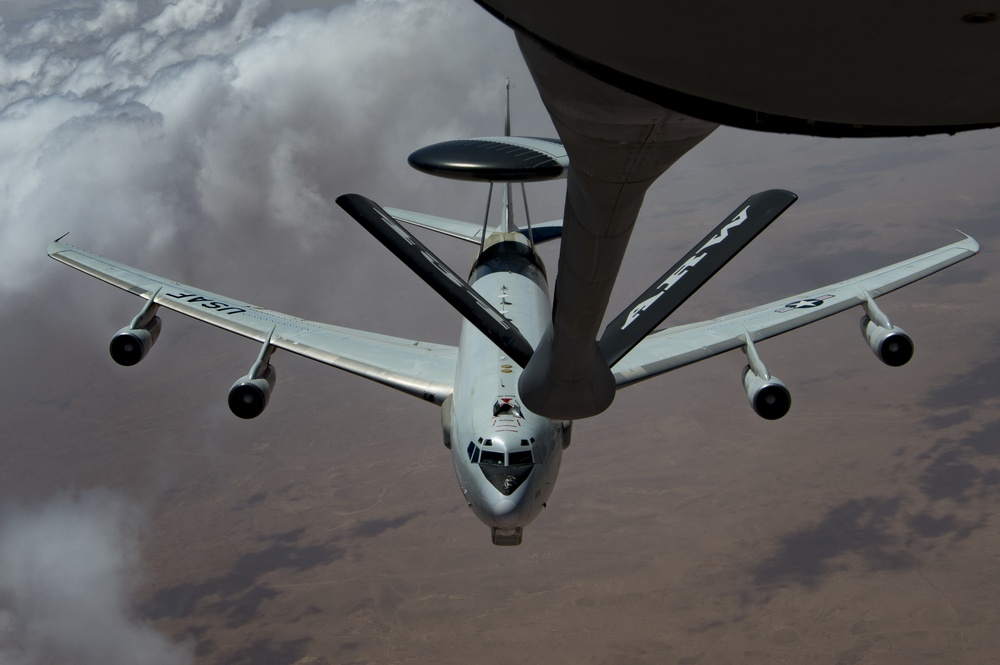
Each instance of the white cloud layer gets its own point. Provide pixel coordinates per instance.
(136, 121)
(68, 569)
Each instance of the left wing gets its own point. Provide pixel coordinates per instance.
(417, 368)
(675, 347)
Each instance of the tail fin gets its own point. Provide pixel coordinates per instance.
(507, 215)
(501, 160)
(506, 116)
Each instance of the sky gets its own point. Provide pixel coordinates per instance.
(207, 141)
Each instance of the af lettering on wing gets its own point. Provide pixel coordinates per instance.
(691, 262)
(208, 303)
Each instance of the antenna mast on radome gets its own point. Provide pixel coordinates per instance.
(499, 160)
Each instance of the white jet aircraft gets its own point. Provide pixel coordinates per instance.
(506, 457)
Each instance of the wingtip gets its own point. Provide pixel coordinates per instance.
(972, 243)
(56, 245)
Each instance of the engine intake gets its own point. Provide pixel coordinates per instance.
(130, 345)
(890, 345)
(768, 397)
(249, 396)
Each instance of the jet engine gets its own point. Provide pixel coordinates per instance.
(131, 344)
(890, 344)
(249, 395)
(767, 395)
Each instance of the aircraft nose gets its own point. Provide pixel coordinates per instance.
(504, 507)
(506, 513)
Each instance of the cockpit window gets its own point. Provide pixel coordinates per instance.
(492, 458)
(506, 479)
(519, 458)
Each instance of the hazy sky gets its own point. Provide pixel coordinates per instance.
(207, 141)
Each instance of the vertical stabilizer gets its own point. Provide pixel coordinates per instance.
(506, 115)
(506, 217)
(507, 220)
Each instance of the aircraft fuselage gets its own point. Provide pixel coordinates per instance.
(506, 457)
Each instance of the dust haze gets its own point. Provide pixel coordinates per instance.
(207, 141)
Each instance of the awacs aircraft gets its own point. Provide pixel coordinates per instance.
(507, 456)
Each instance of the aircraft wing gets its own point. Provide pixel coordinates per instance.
(675, 347)
(417, 368)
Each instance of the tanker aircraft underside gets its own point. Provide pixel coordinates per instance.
(507, 454)
(632, 87)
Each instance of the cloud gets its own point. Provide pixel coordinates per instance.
(68, 570)
(145, 125)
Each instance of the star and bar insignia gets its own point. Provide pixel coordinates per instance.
(805, 303)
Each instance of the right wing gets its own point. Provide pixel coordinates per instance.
(675, 347)
(417, 368)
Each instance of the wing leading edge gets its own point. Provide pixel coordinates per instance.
(420, 369)
(675, 347)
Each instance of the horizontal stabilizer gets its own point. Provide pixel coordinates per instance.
(545, 231)
(468, 231)
(691, 272)
(455, 228)
(438, 276)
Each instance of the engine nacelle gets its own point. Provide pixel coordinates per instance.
(891, 345)
(248, 397)
(769, 397)
(130, 345)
